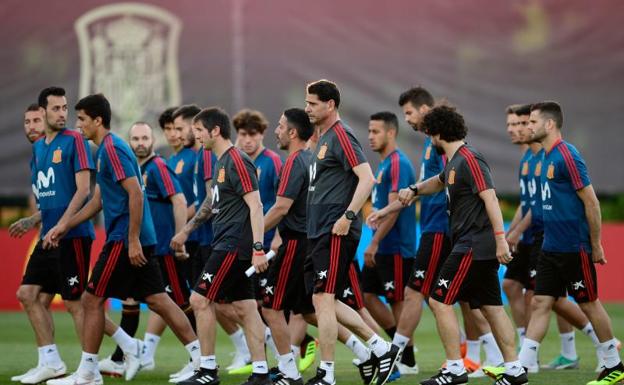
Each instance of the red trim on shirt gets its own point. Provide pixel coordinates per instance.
(394, 171)
(475, 170)
(207, 165)
(242, 171)
(164, 175)
(281, 190)
(577, 182)
(81, 149)
(277, 161)
(114, 158)
(346, 145)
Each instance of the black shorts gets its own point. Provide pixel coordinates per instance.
(433, 250)
(518, 268)
(192, 266)
(284, 279)
(223, 278)
(114, 276)
(331, 257)
(463, 279)
(388, 277)
(534, 256)
(352, 293)
(172, 271)
(63, 270)
(575, 272)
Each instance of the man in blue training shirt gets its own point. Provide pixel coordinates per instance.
(571, 219)
(60, 172)
(125, 267)
(389, 258)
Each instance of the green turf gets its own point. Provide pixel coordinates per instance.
(17, 352)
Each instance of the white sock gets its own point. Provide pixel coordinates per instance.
(528, 353)
(521, 333)
(193, 349)
(286, 364)
(268, 339)
(493, 354)
(127, 344)
(589, 331)
(610, 354)
(88, 365)
(40, 357)
(514, 368)
(239, 341)
(208, 362)
(568, 345)
(462, 336)
(296, 350)
(378, 346)
(150, 342)
(358, 348)
(328, 367)
(473, 351)
(400, 340)
(455, 366)
(49, 355)
(260, 367)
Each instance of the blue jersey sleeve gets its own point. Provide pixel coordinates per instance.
(82, 158)
(576, 169)
(165, 179)
(121, 163)
(400, 173)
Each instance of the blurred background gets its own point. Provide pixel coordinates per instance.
(479, 55)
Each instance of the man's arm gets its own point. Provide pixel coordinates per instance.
(383, 230)
(277, 212)
(201, 216)
(23, 225)
(366, 181)
(513, 235)
(252, 199)
(88, 211)
(179, 211)
(496, 219)
(190, 211)
(83, 188)
(135, 208)
(594, 220)
(516, 218)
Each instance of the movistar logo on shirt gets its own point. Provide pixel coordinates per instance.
(44, 181)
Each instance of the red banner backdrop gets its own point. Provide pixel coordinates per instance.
(16, 252)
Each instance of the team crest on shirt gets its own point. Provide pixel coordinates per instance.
(538, 168)
(57, 156)
(451, 177)
(322, 151)
(221, 176)
(428, 153)
(525, 168)
(550, 173)
(179, 166)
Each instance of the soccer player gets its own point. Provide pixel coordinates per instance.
(389, 258)
(284, 285)
(238, 233)
(125, 267)
(340, 182)
(572, 244)
(470, 272)
(60, 173)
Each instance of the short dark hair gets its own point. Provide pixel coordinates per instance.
(32, 107)
(389, 118)
(215, 116)
(300, 121)
(325, 90)
(43, 95)
(166, 117)
(445, 121)
(252, 121)
(96, 106)
(552, 110)
(418, 96)
(518, 109)
(511, 109)
(187, 111)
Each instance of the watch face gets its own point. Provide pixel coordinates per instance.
(257, 246)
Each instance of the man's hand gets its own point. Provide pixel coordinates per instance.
(259, 261)
(21, 227)
(502, 250)
(276, 243)
(598, 255)
(54, 236)
(406, 196)
(178, 241)
(181, 254)
(341, 227)
(513, 237)
(369, 254)
(375, 218)
(135, 253)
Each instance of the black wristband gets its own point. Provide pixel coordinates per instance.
(414, 188)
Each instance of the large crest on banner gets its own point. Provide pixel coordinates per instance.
(129, 52)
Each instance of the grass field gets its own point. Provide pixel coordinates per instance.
(17, 352)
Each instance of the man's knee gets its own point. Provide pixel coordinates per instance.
(73, 306)
(27, 295)
(198, 302)
(541, 303)
(323, 301)
(245, 308)
(89, 301)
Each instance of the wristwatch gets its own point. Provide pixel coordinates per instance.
(414, 188)
(258, 246)
(350, 215)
